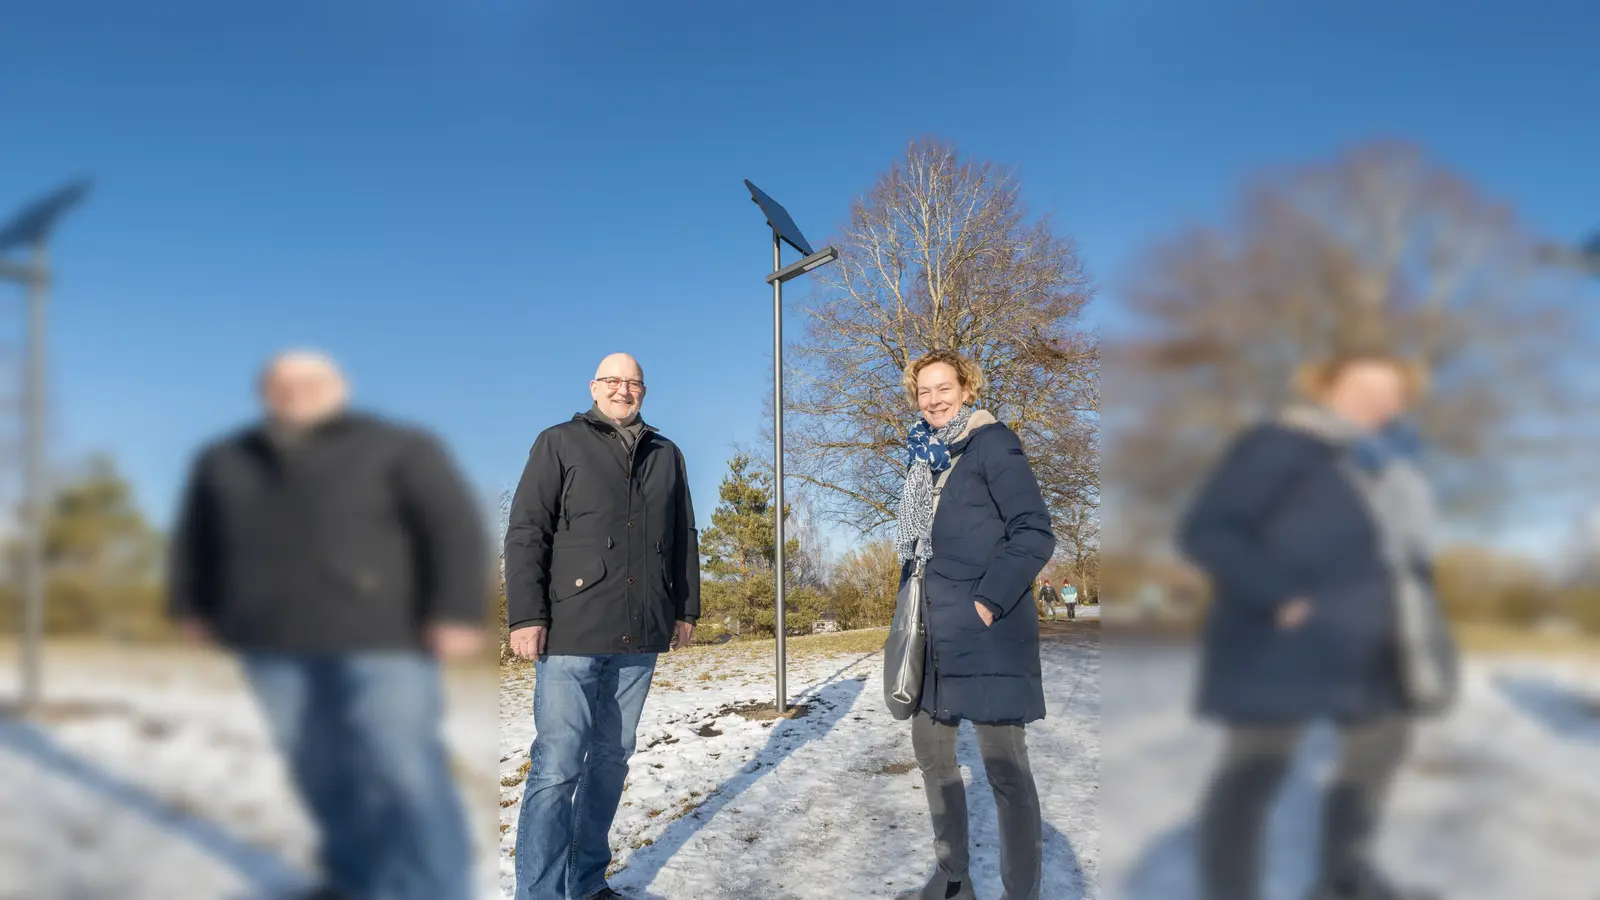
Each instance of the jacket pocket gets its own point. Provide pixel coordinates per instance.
(571, 575)
(977, 620)
(367, 581)
(953, 569)
(664, 567)
(951, 584)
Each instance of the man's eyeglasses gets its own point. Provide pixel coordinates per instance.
(617, 383)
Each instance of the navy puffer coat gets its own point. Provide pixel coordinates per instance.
(1279, 519)
(991, 538)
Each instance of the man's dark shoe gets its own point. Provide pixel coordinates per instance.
(607, 894)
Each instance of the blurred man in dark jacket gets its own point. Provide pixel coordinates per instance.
(602, 575)
(342, 556)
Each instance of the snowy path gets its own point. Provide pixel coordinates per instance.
(150, 777)
(827, 805)
(1500, 800)
(152, 780)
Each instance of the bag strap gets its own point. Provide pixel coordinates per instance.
(938, 484)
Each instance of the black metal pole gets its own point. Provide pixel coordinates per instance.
(34, 487)
(777, 464)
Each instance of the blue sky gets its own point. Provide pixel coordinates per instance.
(469, 203)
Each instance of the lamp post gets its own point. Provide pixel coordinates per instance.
(31, 228)
(784, 231)
(1584, 258)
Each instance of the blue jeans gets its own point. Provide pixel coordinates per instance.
(585, 715)
(361, 735)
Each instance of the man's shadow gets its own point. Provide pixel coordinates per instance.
(1063, 875)
(265, 874)
(1064, 878)
(827, 706)
(1566, 713)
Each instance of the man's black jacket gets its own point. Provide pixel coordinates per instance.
(601, 545)
(352, 538)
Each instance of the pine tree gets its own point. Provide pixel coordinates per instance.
(739, 550)
(102, 559)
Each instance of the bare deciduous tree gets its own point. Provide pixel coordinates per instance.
(941, 253)
(1381, 246)
(1078, 546)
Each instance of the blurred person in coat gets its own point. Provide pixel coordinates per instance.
(342, 556)
(971, 513)
(1316, 530)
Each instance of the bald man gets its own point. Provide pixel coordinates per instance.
(602, 575)
(341, 555)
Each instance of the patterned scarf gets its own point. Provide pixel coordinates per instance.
(1397, 443)
(926, 456)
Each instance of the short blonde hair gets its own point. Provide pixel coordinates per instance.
(1313, 380)
(968, 375)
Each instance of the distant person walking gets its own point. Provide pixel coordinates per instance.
(1316, 530)
(602, 576)
(981, 546)
(342, 556)
(1047, 599)
(1069, 595)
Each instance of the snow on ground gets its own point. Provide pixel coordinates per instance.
(150, 776)
(1499, 800)
(827, 805)
(1083, 612)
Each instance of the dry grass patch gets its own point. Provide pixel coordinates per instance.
(1476, 638)
(862, 641)
(518, 776)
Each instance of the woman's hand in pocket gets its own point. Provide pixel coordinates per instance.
(984, 614)
(1293, 614)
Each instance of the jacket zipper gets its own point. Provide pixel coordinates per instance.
(633, 617)
(566, 493)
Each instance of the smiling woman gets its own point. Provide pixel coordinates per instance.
(976, 555)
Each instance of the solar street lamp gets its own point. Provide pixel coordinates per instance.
(1584, 258)
(31, 229)
(784, 231)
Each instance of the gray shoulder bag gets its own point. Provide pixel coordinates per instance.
(906, 648)
(1429, 660)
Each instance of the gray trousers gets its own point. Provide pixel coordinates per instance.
(1004, 749)
(1253, 768)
